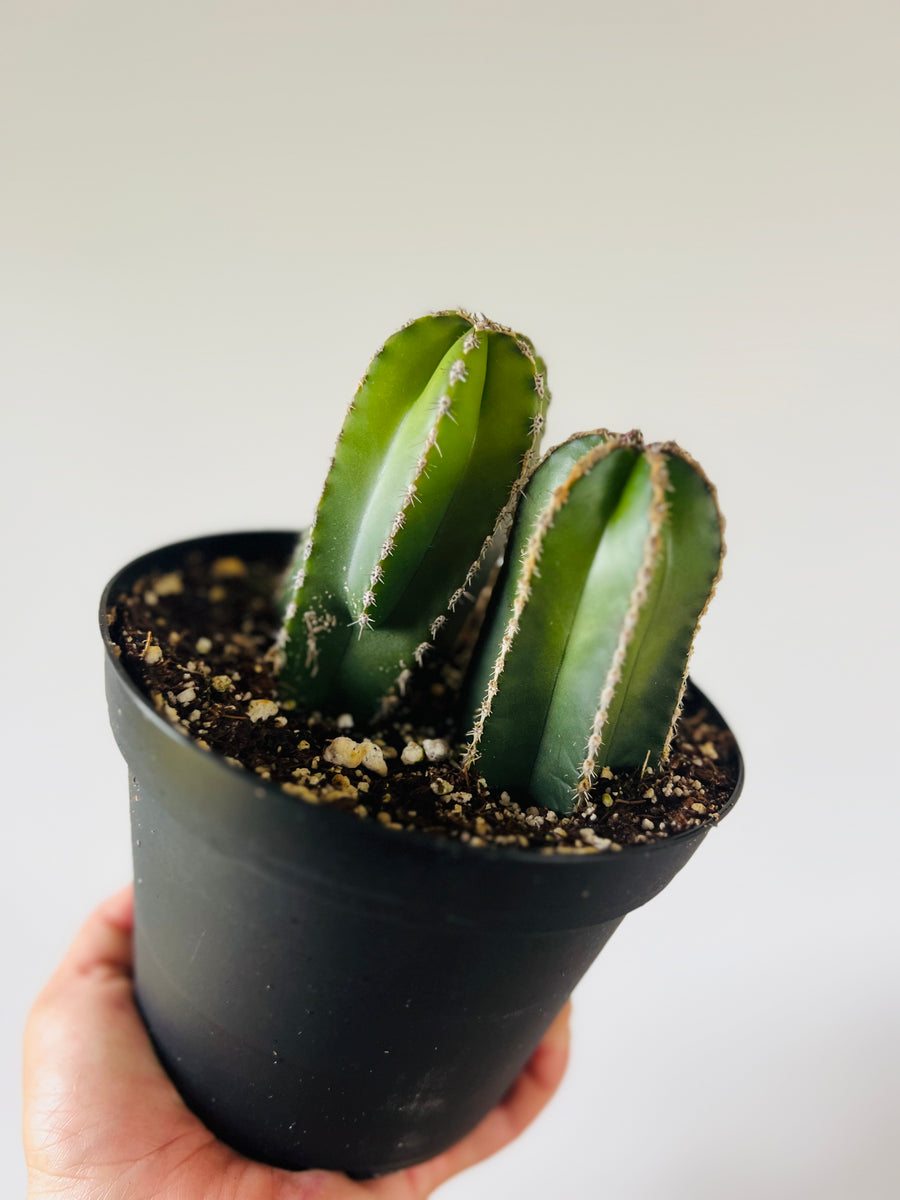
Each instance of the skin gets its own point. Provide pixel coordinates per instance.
(103, 1122)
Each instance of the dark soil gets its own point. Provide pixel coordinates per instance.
(199, 642)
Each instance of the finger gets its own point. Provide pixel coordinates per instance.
(543, 1075)
(102, 946)
(85, 1021)
(87, 1054)
(524, 1101)
(87, 1005)
(326, 1185)
(526, 1098)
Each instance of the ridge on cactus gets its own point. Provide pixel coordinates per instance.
(434, 450)
(612, 560)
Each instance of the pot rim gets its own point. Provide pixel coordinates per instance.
(262, 789)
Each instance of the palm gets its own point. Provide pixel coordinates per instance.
(103, 1120)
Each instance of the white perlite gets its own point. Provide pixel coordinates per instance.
(204, 645)
(261, 710)
(152, 655)
(169, 585)
(373, 759)
(436, 749)
(591, 839)
(412, 753)
(345, 752)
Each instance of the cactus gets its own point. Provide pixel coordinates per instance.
(434, 450)
(612, 560)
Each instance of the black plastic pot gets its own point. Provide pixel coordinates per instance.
(327, 992)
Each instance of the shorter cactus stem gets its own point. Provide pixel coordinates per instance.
(526, 575)
(612, 559)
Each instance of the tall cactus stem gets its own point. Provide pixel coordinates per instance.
(432, 457)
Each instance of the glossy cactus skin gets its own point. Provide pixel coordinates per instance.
(612, 560)
(433, 454)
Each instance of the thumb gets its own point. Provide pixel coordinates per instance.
(87, 1055)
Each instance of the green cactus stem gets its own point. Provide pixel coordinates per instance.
(612, 560)
(433, 454)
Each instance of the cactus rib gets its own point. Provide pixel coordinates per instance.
(527, 573)
(659, 482)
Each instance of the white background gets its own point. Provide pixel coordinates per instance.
(213, 213)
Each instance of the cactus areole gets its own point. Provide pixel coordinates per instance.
(396, 781)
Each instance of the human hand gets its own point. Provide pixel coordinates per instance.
(103, 1121)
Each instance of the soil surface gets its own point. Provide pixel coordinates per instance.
(199, 643)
